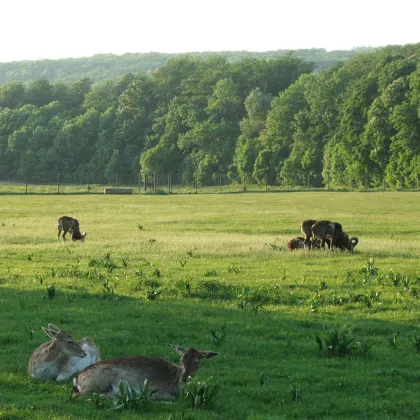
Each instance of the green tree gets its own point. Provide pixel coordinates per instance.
(113, 167)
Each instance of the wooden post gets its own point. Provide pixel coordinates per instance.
(139, 181)
(58, 182)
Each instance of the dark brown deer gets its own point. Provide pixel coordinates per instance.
(296, 243)
(166, 378)
(326, 231)
(70, 225)
(343, 242)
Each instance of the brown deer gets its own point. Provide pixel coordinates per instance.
(164, 377)
(326, 231)
(306, 229)
(62, 357)
(299, 243)
(70, 225)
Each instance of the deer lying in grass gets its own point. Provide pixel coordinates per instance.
(326, 231)
(299, 243)
(62, 357)
(166, 378)
(70, 225)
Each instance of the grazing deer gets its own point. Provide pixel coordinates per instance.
(326, 231)
(343, 242)
(70, 225)
(166, 378)
(62, 357)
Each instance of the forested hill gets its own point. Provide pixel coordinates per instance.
(110, 66)
(254, 120)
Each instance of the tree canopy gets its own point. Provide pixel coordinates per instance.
(256, 120)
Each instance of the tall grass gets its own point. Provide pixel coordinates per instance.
(211, 271)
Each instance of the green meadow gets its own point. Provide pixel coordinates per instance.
(301, 335)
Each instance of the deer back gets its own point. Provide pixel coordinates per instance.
(165, 377)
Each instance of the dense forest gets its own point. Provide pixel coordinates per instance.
(110, 66)
(261, 120)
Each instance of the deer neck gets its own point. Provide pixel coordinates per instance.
(53, 351)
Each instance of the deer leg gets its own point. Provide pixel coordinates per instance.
(323, 243)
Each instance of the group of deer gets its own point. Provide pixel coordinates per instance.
(63, 357)
(320, 232)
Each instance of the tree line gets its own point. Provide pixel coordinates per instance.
(355, 123)
(110, 66)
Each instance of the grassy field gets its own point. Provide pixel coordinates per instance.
(211, 271)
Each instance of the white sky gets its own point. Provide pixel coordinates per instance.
(36, 29)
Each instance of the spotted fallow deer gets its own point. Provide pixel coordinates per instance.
(164, 377)
(62, 357)
(67, 224)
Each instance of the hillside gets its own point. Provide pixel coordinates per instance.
(110, 66)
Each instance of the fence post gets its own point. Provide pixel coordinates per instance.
(58, 182)
(26, 183)
(87, 181)
(169, 183)
(139, 181)
(154, 182)
(244, 183)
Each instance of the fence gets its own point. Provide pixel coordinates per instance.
(155, 183)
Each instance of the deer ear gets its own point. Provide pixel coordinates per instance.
(209, 354)
(51, 333)
(180, 350)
